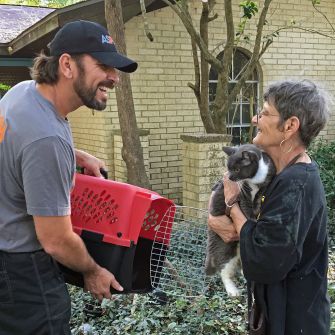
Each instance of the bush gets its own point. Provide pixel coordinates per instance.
(324, 154)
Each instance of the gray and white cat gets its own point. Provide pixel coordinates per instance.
(253, 170)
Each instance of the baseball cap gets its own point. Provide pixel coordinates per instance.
(90, 38)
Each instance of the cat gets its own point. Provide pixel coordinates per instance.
(253, 170)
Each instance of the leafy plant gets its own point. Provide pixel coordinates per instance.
(4, 87)
(212, 313)
(324, 154)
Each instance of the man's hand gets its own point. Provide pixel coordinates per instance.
(224, 227)
(91, 164)
(99, 282)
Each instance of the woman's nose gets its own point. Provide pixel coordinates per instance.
(254, 119)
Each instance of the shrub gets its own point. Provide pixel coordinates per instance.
(324, 154)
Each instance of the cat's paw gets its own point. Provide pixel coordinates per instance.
(233, 291)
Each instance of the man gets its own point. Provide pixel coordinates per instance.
(37, 165)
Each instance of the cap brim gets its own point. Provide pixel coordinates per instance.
(115, 60)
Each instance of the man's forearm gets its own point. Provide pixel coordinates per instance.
(58, 239)
(73, 254)
(80, 156)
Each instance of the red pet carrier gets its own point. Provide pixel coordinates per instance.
(119, 223)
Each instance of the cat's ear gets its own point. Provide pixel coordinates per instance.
(229, 150)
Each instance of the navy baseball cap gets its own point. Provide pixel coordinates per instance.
(86, 37)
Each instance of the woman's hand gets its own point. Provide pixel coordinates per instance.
(224, 227)
(231, 190)
(91, 164)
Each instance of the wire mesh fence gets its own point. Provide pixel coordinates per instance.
(179, 251)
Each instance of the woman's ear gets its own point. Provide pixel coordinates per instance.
(66, 65)
(292, 125)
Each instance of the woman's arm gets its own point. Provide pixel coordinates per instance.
(222, 225)
(238, 218)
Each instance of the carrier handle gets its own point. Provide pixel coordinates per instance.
(102, 171)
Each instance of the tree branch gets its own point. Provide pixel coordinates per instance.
(185, 17)
(146, 25)
(255, 55)
(321, 13)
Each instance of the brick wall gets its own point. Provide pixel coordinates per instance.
(167, 107)
(203, 165)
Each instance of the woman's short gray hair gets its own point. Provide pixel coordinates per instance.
(303, 99)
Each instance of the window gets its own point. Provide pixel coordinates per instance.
(240, 113)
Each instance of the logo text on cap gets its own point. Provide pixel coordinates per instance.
(107, 39)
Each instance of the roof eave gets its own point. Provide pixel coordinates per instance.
(59, 17)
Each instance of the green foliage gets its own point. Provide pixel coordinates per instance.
(324, 154)
(250, 8)
(41, 3)
(61, 3)
(4, 87)
(213, 313)
(331, 288)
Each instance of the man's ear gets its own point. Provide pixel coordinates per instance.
(66, 65)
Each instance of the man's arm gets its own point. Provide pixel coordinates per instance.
(90, 163)
(57, 239)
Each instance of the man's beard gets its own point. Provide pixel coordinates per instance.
(87, 94)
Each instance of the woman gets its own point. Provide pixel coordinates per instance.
(284, 253)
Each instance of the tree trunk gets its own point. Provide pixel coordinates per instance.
(132, 152)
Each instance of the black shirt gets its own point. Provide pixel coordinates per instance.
(286, 253)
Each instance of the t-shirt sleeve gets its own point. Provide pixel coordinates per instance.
(47, 174)
(269, 246)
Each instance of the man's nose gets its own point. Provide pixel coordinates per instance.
(113, 74)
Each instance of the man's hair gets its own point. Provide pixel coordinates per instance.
(303, 99)
(45, 68)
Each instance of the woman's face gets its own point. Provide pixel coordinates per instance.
(268, 133)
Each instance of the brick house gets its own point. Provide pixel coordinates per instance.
(165, 107)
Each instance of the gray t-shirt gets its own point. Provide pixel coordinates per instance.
(37, 165)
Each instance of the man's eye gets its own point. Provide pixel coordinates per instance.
(103, 67)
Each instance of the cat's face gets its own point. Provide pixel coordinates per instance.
(243, 161)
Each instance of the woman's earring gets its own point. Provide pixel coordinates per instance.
(281, 148)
